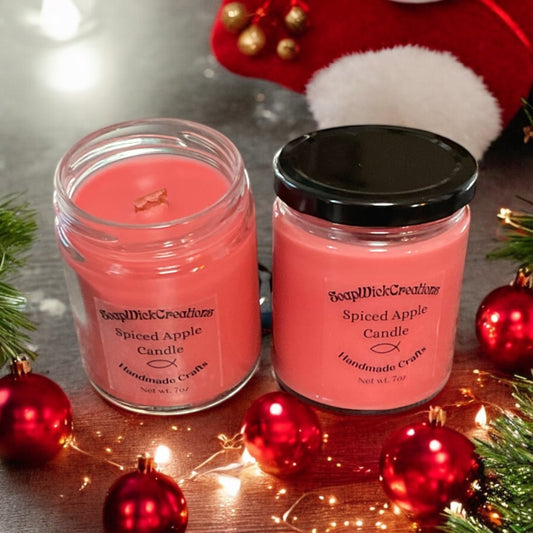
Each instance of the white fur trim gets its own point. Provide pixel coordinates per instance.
(407, 86)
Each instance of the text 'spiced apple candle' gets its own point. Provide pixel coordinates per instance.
(156, 223)
(370, 236)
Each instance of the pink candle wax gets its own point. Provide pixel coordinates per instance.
(366, 277)
(115, 192)
(162, 271)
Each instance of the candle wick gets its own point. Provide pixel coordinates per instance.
(143, 203)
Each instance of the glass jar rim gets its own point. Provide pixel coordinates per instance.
(115, 135)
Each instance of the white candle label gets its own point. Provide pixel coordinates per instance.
(389, 331)
(160, 355)
(387, 342)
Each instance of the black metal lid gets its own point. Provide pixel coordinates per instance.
(375, 175)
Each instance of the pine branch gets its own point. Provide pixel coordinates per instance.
(459, 524)
(508, 461)
(17, 232)
(517, 236)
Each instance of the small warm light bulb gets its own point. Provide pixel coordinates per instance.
(162, 455)
(247, 458)
(396, 510)
(86, 481)
(505, 214)
(230, 484)
(481, 417)
(457, 508)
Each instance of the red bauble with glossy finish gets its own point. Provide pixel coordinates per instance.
(281, 433)
(426, 466)
(145, 501)
(504, 328)
(35, 417)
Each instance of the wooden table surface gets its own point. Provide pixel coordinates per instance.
(145, 59)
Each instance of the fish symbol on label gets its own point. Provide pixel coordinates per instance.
(161, 363)
(385, 347)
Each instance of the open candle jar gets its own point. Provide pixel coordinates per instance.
(370, 233)
(156, 225)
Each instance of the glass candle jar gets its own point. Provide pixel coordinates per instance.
(156, 225)
(370, 230)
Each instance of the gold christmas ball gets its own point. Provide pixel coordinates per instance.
(234, 16)
(288, 49)
(296, 19)
(251, 40)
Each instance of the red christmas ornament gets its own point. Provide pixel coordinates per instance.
(281, 433)
(35, 416)
(425, 466)
(145, 501)
(504, 325)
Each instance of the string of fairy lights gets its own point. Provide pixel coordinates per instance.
(230, 470)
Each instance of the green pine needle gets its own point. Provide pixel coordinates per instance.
(17, 232)
(528, 110)
(458, 524)
(517, 237)
(508, 462)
